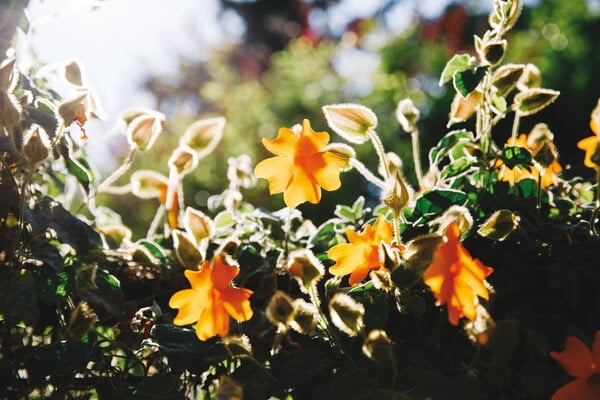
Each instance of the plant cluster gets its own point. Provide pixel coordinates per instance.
(479, 283)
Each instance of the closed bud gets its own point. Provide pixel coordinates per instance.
(280, 309)
(346, 313)
(203, 135)
(119, 233)
(143, 130)
(82, 320)
(305, 267)
(10, 109)
(397, 194)
(538, 135)
(186, 250)
(36, 145)
(148, 184)
(499, 225)
(237, 346)
(350, 121)
(458, 214)
(74, 73)
(418, 252)
(407, 115)
(378, 347)
(197, 224)
(304, 319)
(184, 160)
(505, 14)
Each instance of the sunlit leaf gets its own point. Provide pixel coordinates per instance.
(466, 81)
(434, 202)
(458, 63)
(516, 155)
(446, 143)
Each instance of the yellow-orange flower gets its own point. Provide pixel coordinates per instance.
(211, 300)
(301, 167)
(517, 173)
(589, 144)
(361, 255)
(455, 278)
(584, 366)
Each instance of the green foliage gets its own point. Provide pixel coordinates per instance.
(86, 309)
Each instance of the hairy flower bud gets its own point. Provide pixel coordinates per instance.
(184, 160)
(407, 115)
(350, 121)
(203, 135)
(346, 313)
(378, 347)
(499, 225)
(397, 193)
(143, 130)
(304, 319)
(305, 267)
(36, 145)
(280, 309)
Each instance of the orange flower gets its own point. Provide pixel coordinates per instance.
(579, 362)
(211, 300)
(455, 278)
(361, 255)
(589, 143)
(517, 173)
(301, 166)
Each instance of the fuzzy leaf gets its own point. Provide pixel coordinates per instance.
(534, 100)
(458, 63)
(516, 155)
(466, 81)
(451, 139)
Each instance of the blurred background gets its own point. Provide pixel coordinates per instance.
(265, 64)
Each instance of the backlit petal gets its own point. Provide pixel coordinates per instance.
(222, 274)
(213, 321)
(347, 258)
(576, 358)
(312, 139)
(284, 145)
(328, 176)
(578, 389)
(302, 188)
(589, 145)
(190, 304)
(277, 170)
(237, 304)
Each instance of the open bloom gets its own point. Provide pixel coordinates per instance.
(361, 255)
(211, 300)
(517, 173)
(455, 278)
(301, 166)
(584, 366)
(590, 143)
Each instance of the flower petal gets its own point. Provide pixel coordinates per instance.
(576, 358)
(328, 176)
(284, 145)
(302, 188)
(347, 258)
(222, 274)
(312, 139)
(236, 302)
(577, 389)
(189, 302)
(214, 319)
(277, 170)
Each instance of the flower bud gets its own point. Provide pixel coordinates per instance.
(36, 145)
(305, 268)
(407, 115)
(350, 121)
(505, 14)
(184, 160)
(10, 109)
(83, 319)
(418, 252)
(147, 184)
(545, 156)
(74, 109)
(197, 224)
(237, 346)
(280, 309)
(397, 193)
(304, 319)
(203, 135)
(459, 214)
(186, 250)
(346, 313)
(9, 75)
(378, 347)
(462, 109)
(344, 151)
(74, 73)
(538, 135)
(144, 130)
(499, 225)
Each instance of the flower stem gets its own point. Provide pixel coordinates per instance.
(118, 172)
(364, 171)
(417, 156)
(515, 127)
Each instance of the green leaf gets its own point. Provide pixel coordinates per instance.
(466, 81)
(344, 212)
(516, 155)
(414, 304)
(434, 202)
(100, 289)
(458, 167)
(46, 252)
(451, 139)
(458, 63)
(154, 249)
(18, 298)
(76, 168)
(72, 230)
(533, 100)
